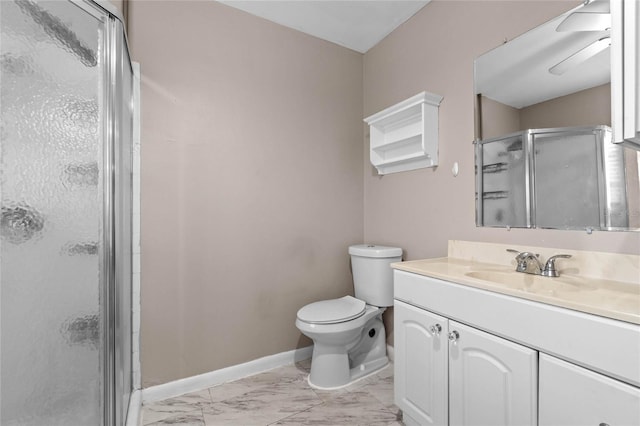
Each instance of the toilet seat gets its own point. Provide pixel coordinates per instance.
(332, 311)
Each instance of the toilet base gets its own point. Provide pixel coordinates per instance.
(356, 374)
(337, 366)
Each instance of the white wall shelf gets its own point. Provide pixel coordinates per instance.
(405, 136)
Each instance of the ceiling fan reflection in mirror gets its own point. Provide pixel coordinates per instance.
(595, 16)
(581, 55)
(586, 21)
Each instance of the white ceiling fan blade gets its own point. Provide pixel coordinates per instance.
(586, 21)
(580, 56)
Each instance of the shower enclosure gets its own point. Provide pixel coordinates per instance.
(65, 230)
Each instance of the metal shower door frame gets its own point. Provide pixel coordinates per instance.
(113, 412)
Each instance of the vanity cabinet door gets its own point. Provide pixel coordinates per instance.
(492, 381)
(572, 395)
(420, 365)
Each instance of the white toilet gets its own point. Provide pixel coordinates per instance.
(348, 333)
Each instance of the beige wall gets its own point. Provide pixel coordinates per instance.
(421, 210)
(251, 182)
(591, 107)
(252, 169)
(498, 119)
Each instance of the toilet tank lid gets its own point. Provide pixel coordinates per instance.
(372, 250)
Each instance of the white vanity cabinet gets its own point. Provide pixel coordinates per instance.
(450, 373)
(467, 356)
(420, 365)
(492, 381)
(574, 396)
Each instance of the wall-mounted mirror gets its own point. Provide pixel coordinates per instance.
(544, 156)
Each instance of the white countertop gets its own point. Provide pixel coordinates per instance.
(594, 295)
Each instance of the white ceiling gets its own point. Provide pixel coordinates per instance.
(356, 24)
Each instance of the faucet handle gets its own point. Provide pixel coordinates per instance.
(521, 265)
(522, 254)
(522, 260)
(550, 267)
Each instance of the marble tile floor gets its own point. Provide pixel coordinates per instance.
(281, 397)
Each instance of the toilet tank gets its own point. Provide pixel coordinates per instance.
(372, 273)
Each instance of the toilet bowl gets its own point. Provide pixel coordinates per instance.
(348, 333)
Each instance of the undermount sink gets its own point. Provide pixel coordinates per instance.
(531, 283)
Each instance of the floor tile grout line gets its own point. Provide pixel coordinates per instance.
(295, 414)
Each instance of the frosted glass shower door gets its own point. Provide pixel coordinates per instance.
(52, 197)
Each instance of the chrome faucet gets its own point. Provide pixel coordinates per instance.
(529, 263)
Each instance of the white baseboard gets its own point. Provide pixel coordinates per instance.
(135, 406)
(391, 353)
(217, 377)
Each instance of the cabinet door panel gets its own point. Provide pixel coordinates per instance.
(492, 381)
(420, 365)
(572, 395)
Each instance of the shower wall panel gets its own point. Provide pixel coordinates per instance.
(52, 168)
(59, 197)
